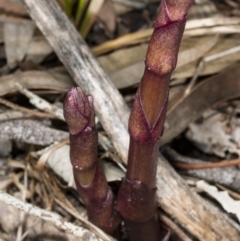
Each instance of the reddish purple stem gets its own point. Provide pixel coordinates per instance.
(89, 177)
(137, 195)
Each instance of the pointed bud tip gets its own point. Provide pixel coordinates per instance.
(78, 111)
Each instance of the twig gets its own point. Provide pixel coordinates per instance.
(173, 226)
(54, 218)
(225, 85)
(235, 195)
(207, 165)
(193, 79)
(227, 176)
(205, 60)
(25, 110)
(40, 103)
(221, 54)
(31, 131)
(193, 27)
(91, 226)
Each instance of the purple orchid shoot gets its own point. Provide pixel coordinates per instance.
(88, 175)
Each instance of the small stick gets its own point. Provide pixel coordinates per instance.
(25, 110)
(233, 194)
(206, 60)
(206, 165)
(174, 227)
(54, 218)
(40, 103)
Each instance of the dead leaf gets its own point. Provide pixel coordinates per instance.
(9, 217)
(38, 49)
(125, 67)
(196, 49)
(227, 176)
(36, 80)
(60, 163)
(17, 37)
(13, 7)
(224, 43)
(107, 17)
(5, 147)
(221, 87)
(229, 205)
(211, 135)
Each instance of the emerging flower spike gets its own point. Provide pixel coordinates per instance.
(89, 177)
(137, 195)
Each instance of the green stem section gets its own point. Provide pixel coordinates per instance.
(80, 10)
(90, 15)
(89, 177)
(68, 7)
(137, 195)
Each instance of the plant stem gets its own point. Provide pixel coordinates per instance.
(137, 195)
(80, 10)
(89, 177)
(68, 7)
(90, 15)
